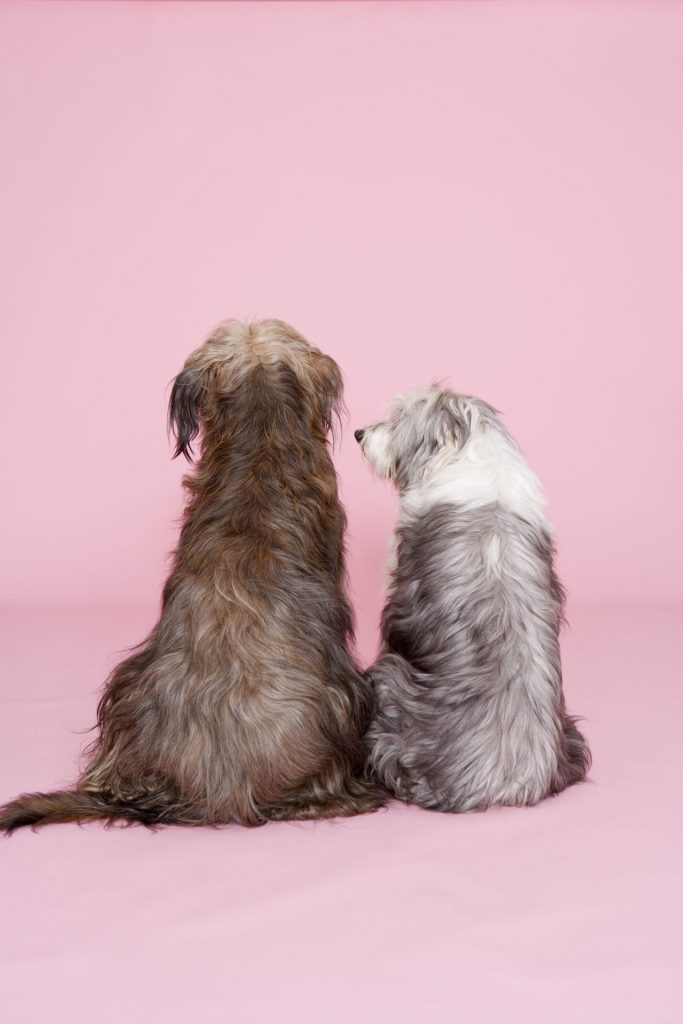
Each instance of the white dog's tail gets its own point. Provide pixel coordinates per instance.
(578, 752)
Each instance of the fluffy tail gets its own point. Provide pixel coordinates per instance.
(578, 752)
(36, 809)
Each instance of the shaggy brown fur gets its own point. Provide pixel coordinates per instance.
(244, 703)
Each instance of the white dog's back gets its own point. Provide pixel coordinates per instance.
(470, 709)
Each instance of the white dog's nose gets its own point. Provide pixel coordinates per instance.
(358, 434)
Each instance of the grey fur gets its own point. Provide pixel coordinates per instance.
(469, 704)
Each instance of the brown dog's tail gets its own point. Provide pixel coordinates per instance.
(36, 809)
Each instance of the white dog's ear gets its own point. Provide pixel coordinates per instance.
(450, 422)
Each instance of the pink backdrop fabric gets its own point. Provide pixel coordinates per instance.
(487, 192)
(568, 911)
(484, 192)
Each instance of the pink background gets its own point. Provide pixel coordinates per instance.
(487, 192)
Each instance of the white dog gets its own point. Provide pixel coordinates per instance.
(470, 710)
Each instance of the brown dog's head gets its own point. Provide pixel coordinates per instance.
(236, 352)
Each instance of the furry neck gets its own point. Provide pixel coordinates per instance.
(490, 470)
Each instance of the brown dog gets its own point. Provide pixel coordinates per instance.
(244, 703)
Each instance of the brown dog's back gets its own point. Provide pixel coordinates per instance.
(244, 703)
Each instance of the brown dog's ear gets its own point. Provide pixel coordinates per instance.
(327, 385)
(185, 409)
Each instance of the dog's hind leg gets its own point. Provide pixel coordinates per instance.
(392, 681)
(351, 796)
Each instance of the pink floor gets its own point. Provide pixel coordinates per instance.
(570, 911)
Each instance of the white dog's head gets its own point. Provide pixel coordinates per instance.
(426, 429)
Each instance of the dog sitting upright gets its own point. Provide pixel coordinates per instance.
(244, 703)
(468, 686)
